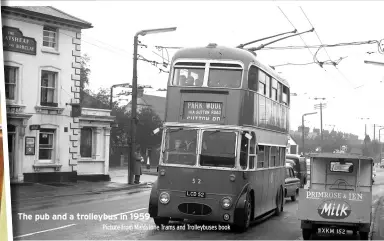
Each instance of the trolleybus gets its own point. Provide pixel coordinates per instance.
(224, 139)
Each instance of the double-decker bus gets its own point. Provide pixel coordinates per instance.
(224, 139)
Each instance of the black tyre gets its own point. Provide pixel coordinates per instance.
(307, 234)
(279, 203)
(247, 215)
(161, 221)
(293, 198)
(363, 235)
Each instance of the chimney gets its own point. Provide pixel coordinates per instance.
(140, 92)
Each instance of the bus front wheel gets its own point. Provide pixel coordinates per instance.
(160, 221)
(247, 216)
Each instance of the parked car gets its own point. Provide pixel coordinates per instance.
(299, 165)
(292, 183)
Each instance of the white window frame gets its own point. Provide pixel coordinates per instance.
(18, 83)
(57, 97)
(54, 145)
(50, 41)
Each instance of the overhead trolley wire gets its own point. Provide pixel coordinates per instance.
(295, 28)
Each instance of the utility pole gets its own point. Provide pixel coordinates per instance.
(134, 93)
(365, 130)
(321, 106)
(380, 145)
(302, 130)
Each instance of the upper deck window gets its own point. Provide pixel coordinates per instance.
(252, 78)
(225, 75)
(263, 78)
(180, 147)
(188, 74)
(218, 149)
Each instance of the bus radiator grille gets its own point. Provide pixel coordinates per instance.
(195, 209)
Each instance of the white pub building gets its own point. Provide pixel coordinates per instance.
(49, 138)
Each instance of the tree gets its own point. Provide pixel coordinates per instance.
(148, 120)
(85, 70)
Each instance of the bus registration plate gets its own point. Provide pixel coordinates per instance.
(195, 194)
(337, 231)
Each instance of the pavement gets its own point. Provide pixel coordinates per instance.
(119, 181)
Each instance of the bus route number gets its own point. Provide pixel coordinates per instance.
(198, 180)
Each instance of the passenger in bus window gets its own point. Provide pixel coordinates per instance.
(177, 145)
(198, 82)
(182, 80)
(190, 81)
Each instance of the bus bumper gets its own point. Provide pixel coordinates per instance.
(180, 207)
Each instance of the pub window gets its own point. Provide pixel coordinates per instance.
(244, 151)
(50, 37)
(274, 90)
(46, 144)
(252, 78)
(267, 155)
(10, 78)
(86, 142)
(262, 87)
(252, 151)
(260, 157)
(48, 88)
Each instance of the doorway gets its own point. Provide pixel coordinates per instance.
(11, 149)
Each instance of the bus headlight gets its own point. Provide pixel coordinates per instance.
(226, 202)
(164, 198)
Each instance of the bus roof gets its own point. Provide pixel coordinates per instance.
(226, 53)
(340, 156)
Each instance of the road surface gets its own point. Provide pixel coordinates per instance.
(123, 216)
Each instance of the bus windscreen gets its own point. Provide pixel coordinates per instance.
(218, 149)
(180, 147)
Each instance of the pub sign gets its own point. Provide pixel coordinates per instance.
(30, 145)
(13, 40)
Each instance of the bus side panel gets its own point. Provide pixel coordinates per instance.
(334, 206)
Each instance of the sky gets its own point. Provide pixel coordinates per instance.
(352, 89)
